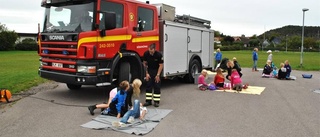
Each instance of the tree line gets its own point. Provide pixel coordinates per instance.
(285, 38)
(8, 41)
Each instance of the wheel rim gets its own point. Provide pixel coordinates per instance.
(125, 72)
(194, 70)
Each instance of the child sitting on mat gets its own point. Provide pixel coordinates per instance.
(219, 79)
(282, 73)
(267, 70)
(138, 111)
(235, 80)
(288, 68)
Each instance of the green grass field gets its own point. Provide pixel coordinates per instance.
(19, 70)
(311, 60)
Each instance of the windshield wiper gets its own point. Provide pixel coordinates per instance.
(63, 31)
(52, 30)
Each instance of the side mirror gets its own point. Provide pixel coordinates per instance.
(110, 20)
(107, 22)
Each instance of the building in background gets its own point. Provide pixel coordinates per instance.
(23, 36)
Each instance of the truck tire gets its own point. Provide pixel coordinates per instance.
(73, 86)
(124, 73)
(194, 68)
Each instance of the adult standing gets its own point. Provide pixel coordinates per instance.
(270, 57)
(153, 63)
(218, 58)
(231, 65)
(255, 59)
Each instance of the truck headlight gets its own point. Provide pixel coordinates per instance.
(43, 63)
(86, 69)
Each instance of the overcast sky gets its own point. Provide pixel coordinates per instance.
(231, 17)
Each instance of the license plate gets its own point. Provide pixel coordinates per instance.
(58, 65)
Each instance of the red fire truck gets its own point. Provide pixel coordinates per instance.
(101, 42)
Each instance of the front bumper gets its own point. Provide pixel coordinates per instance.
(71, 78)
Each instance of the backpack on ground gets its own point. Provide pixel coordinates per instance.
(5, 95)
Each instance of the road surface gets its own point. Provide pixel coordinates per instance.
(285, 108)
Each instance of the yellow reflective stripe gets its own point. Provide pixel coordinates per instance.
(39, 43)
(156, 99)
(103, 39)
(145, 39)
(120, 54)
(148, 94)
(156, 95)
(148, 98)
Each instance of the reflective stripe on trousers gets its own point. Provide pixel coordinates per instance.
(152, 85)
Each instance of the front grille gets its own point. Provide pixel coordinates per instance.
(60, 46)
(59, 56)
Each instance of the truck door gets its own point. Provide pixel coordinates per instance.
(146, 29)
(205, 42)
(194, 41)
(175, 49)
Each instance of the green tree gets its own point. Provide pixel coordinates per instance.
(216, 33)
(309, 42)
(254, 37)
(228, 40)
(254, 42)
(294, 42)
(7, 38)
(27, 44)
(28, 41)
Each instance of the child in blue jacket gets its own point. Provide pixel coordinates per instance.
(117, 105)
(288, 68)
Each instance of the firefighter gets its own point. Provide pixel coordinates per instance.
(153, 63)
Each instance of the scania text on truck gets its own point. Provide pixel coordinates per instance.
(101, 42)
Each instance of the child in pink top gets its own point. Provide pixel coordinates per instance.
(202, 85)
(235, 80)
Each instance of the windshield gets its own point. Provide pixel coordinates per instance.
(68, 18)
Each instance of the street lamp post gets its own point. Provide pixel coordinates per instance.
(303, 10)
(286, 43)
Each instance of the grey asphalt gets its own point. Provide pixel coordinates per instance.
(285, 108)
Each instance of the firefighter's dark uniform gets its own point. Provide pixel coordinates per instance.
(153, 62)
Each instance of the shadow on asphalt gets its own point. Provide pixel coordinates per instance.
(95, 94)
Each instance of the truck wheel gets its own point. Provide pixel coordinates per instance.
(73, 86)
(124, 73)
(194, 69)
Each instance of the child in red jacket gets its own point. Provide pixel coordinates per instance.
(219, 79)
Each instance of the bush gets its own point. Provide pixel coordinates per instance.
(230, 48)
(26, 47)
(7, 40)
(27, 44)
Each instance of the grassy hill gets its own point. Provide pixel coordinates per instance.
(291, 30)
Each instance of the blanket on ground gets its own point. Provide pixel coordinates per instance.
(138, 127)
(250, 90)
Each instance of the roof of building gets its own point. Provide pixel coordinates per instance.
(27, 34)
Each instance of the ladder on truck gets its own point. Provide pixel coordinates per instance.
(187, 19)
